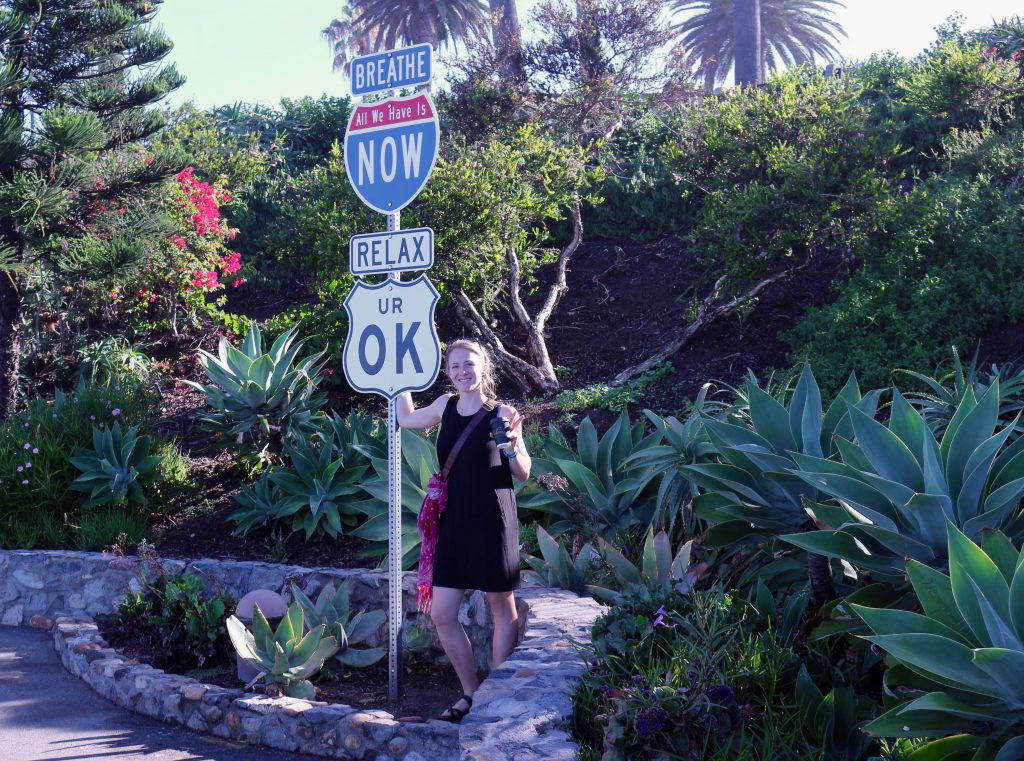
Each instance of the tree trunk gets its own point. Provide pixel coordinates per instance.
(10, 323)
(508, 43)
(747, 41)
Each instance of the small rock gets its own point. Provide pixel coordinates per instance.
(41, 622)
(194, 691)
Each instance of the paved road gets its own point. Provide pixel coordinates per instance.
(48, 715)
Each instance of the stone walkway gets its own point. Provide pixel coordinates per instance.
(48, 715)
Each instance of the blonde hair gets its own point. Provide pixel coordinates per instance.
(487, 377)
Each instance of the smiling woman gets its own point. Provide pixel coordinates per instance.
(477, 536)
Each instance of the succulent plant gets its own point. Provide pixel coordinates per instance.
(557, 568)
(961, 660)
(257, 505)
(419, 463)
(316, 493)
(896, 486)
(286, 656)
(598, 487)
(259, 394)
(658, 567)
(331, 609)
(116, 468)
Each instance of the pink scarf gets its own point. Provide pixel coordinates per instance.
(430, 515)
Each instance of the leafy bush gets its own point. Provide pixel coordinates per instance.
(781, 173)
(614, 398)
(687, 677)
(184, 623)
(949, 267)
(36, 474)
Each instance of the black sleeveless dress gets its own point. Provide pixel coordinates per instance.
(478, 540)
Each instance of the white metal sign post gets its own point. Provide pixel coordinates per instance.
(392, 347)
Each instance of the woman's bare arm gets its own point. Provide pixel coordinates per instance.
(424, 417)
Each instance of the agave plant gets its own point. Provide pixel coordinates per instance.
(681, 444)
(116, 468)
(419, 463)
(658, 568)
(257, 505)
(257, 394)
(346, 435)
(752, 492)
(961, 660)
(946, 391)
(332, 611)
(286, 656)
(316, 492)
(556, 566)
(834, 718)
(593, 487)
(896, 486)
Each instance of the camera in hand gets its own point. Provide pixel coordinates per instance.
(499, 429)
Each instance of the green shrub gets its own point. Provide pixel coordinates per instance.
(677, 676)
(100, 529)
(36, 444)
(182, 622)
(613, 398)
(949, 267)
(781, 173)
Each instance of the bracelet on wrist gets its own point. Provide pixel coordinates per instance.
(511, 453)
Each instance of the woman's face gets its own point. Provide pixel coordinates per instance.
(465, 369)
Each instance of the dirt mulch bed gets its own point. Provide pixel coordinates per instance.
(427, 689)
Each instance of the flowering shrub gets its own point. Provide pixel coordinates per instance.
(689, 677)
(35, 446)
(193, 264)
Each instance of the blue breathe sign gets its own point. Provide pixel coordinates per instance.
(390, 150)
(403, 67)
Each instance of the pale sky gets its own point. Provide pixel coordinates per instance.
(263, 50)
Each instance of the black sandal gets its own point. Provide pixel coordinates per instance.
(455, 715)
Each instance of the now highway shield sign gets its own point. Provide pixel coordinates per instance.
(390, 150)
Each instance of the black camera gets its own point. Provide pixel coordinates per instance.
(499, 429)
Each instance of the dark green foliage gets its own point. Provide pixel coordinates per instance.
(780, 174)
(948, 267)
(695, 676)
(183, 621)
(46, 435)
(77, 80)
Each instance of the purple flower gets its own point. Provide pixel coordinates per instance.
(21, 468)
(24, 482)
(652, 721)
(27, 445)
(35, 450)
(92, 417)
(115, 412)
(638, 678)
(28, 465)
(659, 620)
(720, 693)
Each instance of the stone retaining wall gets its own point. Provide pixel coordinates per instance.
(519, 712)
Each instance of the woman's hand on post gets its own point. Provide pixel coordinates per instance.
(425, 417)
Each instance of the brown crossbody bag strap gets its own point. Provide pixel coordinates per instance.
(486, 407)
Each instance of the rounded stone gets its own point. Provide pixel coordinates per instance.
(271, 604)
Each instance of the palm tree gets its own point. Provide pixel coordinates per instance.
(746, 25)
(792, 32)
(368, 26)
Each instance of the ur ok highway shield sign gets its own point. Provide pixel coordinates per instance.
(392, 344)
(390, 150)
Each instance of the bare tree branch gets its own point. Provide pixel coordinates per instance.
(707, 312)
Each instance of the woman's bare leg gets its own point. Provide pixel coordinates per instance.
(506, 626)
(444, 612)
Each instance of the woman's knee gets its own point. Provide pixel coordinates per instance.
(503, 608)
(444, 610)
